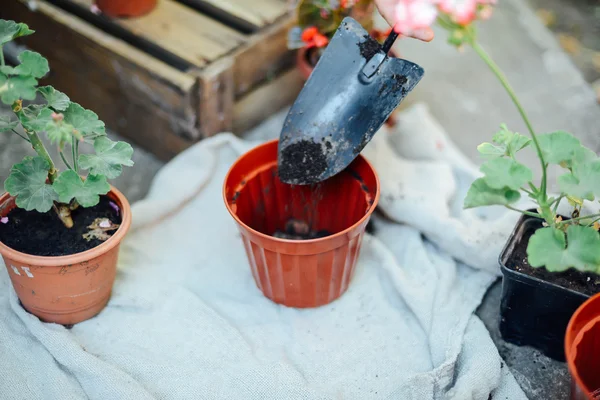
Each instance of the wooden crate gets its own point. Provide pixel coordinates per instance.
(187, 70)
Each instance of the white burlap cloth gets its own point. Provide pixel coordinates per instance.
(186, 320)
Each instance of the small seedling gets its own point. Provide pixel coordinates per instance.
(36, 182)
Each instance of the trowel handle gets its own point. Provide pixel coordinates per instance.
(389, 41)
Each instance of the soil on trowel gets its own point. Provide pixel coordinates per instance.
(299, 230)
(587, 283)
(369, 47)
(44, 234)
(302, 162)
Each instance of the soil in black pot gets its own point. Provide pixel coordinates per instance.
(40, 234)
(587, 283)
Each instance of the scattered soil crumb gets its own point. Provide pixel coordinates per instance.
(369, 47)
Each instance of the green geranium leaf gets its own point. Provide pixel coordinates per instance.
(10, 30)
(6, 124)
(480, 194)
(505, 172)
(86, 122)
(32, 64)
(70, 186)
(59, 132)
(57, 100)
(109, 158)
(583, 182)
(511, 142)
(489, 150)
(559, 147)
(16, 87)
(7, 70)
(548, 248)
(27, 181)
(35, 117)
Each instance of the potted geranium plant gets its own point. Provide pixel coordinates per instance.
(551, 262)
(59, 230)
(317, 21)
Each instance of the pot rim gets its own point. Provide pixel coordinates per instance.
(570, 338)
(52, 261)
(509, 247)
(309, 241)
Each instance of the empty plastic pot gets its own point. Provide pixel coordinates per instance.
(126, 8)
(292, 272)
(582, 348)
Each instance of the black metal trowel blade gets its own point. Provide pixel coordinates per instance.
(351, 92)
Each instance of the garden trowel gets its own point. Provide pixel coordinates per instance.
(353, 89)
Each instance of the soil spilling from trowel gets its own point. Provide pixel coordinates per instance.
(302, 162)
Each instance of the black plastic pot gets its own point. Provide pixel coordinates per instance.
(534, 312)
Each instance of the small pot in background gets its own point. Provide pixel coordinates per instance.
(582, 348)
(66, 289)
(533, 312)
(300, 273)
(126, 8)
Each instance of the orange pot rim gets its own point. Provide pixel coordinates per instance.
(572, 339)
(52, 261)
(309, 241)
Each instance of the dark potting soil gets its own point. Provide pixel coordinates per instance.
(587, 283)
(44, 234)
(369, 47)
(299, 230)
(302, 162)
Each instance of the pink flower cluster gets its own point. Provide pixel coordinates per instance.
(415, 15)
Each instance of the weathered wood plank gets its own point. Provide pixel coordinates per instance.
(216, 91)
(250, 110)
(151, 103)
(247, 16)
(179, 30)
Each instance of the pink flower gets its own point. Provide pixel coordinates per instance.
(414, 15)
(462, 12)
(4, 220)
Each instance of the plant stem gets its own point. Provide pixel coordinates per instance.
(21, 136)
(536, 215)
(64, 159)
(2, 56)
(75, 153)
(579, 219)
(40, 149)
(594, 221)
(529, 192)
(557, 202)
(504, 81)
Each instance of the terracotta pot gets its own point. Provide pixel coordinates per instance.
(300, 273)
(66, 289)
(582, 347)
(125, 8)
(304, 66)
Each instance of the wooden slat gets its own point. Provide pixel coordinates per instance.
(141, 98)
(181, 31)
(250, 110)
(254, 14)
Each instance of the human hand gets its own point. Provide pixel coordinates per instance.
(411, 18)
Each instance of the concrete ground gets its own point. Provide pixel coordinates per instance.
(555, 84)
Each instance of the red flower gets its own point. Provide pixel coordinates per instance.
(313, 38)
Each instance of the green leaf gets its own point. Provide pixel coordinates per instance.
(548, 248)
(559, 147)
(583, 182)
(59, 132)
(32, 64)
(17, 87)
(27, 181)
(85, 122)
(480, 194)
(511, 142)
(109, 158)
(10, 30)
(7, 70)
(489, 150)
(505, 172)
(57, 100)
(6, 124)
(35, 117)
(70, 186)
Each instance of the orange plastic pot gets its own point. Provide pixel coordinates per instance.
(66, 289)
(125, 8)
(300, 273)
(582, 348)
